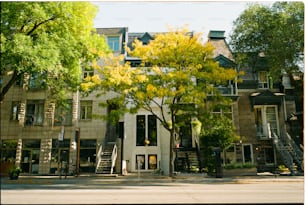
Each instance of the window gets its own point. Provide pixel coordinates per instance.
(15, 110)
(19, 81)
(34, 112)
(152, 130)
(269, 155)
(114, 43)
(140, 130)
(185, 130)
(223, 111)
(86, 110)
(63, 114)
(152, 160)
(140, 162)
(8, 151)
(146, 130)
(263, 79)
(87, 73)
(88, 155)
(36, 81)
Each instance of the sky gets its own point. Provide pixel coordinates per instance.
(157, 16)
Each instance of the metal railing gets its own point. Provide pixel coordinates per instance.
(99, 158)
(114, 157)
(283, 151)
(294, 149)
(288, 149)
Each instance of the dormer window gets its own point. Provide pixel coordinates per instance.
(263, 80)
(114, 43)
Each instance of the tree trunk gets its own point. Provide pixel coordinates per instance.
(171, 162)
(8, 85)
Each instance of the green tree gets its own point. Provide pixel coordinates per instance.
(50, 40)
(276, 31)
(217, 131)
(177, 71)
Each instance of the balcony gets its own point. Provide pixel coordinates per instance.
(228, 90)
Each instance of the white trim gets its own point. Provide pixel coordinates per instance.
(265, 120)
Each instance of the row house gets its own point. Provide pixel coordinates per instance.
(263, 112)
(43, 138)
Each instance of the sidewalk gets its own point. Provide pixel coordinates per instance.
(134, 178)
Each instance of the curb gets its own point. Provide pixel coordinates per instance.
(148, 179)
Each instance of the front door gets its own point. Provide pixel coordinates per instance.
(266, 115)
(185, 131)
(30, 156)
(30, 161)
(247, 153)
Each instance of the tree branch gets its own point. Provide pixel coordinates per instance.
(39, 24)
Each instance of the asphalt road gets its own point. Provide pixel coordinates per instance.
(158, 192)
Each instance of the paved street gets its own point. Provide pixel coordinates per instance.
(93, 190)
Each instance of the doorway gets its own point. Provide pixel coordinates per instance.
(247, 153)
(30, 156)
(59, 156)
(266, 115)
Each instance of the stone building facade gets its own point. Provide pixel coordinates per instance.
(43, 138)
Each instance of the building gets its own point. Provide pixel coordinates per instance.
(43, 138)
(261, 111)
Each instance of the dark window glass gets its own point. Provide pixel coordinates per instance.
(88, 143)
(34, 112)
(65, 143)
(88, 155)
(152, 130)
(141, 129)
(15, 110)
(37, 81)
(8, 151)
(269, 155)
(30, 143)
(185, 130)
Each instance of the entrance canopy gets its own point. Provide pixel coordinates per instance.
(266, 98)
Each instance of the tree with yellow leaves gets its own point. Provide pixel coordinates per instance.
(177, 70)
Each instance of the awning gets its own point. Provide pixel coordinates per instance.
(266, 98)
